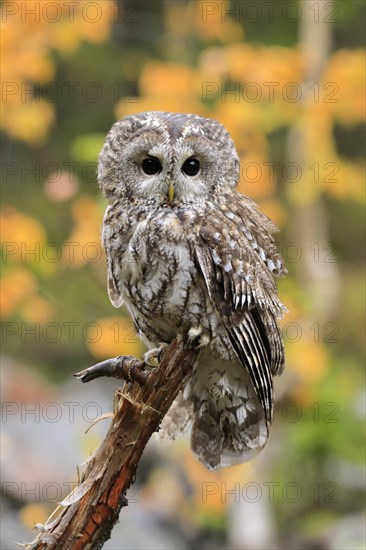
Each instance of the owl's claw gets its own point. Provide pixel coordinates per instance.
(196, 338)
(153, 357)
(125, 367)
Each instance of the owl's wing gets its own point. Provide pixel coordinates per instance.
(237, 257)
(114, 249)
(113, 291)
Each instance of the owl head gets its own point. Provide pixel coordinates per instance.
(166, 158)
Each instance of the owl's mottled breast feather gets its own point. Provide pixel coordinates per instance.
(161, 260)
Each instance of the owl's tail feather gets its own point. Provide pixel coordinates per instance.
(227, 419)
(223, 438)
(178, 419)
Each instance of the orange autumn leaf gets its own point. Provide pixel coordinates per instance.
(83, 244)
(16, 285)
(255, 177)
(22, 236)
(33, 513)
(211, 22)
(112, 336)
(344, 86)
(29, 122)
(211, 488)
(36, 309)
(167, 80)
(308, 359)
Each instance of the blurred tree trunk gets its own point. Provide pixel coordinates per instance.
(252, 525)
(309, 220)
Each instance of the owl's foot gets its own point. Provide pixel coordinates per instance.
(153, 357)
(196, 338)
(124, 367)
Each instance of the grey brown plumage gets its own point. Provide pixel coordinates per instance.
(199, 262)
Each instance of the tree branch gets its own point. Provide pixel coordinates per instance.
(90, 512)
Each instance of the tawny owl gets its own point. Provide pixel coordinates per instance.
(187, 253)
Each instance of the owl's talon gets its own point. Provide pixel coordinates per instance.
(153, 357)
(125, 367)
(196, 338)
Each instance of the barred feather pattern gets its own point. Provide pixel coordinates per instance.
(202, 265)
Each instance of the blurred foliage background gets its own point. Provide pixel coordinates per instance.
(287, 80)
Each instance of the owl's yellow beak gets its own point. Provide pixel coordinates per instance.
(171, 192)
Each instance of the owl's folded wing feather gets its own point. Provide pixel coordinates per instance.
(237, 269)
(114, 249)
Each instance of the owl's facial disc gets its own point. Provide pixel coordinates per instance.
(170, 168)
(167, 157)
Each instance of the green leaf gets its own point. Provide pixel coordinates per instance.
(87, 148)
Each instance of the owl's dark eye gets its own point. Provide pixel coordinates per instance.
(191, 167)
(151, 166)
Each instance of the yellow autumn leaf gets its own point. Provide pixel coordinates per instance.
(34, 513)
(16, 285)
(37, 309)
(29, 122)
(22, 236)
(344, 85)
(83, 244)
(256, 180)
(213, 22)
(111, 337)
(167, 80)
(308, 359)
